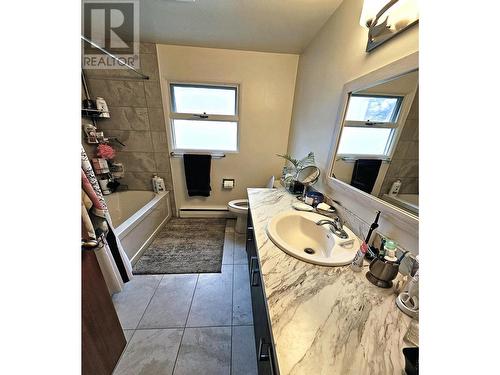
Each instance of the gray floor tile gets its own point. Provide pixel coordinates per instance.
(242, 301)
(170, 304)
(128, 334)
(227, 254)
(132, 301)
(243, 358)
(212, 302)
(150, 352)
(205, 351)
(240, 253)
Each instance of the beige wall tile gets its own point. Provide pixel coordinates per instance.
(156, 119)
(147, 48)
(149, 66)
(153, 94)
(137, 161)
(160, 143)
(162, 160)
(126, 118)
(133, 140)
(118, 93)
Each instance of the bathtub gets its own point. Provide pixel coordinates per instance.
(137, 217)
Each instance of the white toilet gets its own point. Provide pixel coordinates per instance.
(240, 208)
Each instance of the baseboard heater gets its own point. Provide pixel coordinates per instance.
(205, 212)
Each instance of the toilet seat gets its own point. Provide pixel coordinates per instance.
(239, 205)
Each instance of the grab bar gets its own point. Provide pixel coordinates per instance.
(214, 156)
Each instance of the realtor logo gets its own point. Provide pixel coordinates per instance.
(114, 26)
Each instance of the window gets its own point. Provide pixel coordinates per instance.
(370, 124)
(204, 117)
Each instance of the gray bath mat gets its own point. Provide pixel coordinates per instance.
(185, 246)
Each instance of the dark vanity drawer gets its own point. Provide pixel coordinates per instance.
(263, 342)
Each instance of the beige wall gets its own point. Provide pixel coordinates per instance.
(336, 56)
(267, 82)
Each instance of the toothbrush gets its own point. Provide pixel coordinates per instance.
(372, 228)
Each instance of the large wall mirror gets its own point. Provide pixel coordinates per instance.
(377, 150)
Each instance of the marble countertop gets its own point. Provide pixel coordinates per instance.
(324, 320)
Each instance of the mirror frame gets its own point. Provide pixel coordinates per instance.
(407, 64)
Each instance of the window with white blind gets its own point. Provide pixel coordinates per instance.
(204, 117)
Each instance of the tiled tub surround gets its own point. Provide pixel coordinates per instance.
(137, 120)
(193, 324)
(404, 162)
(324, 320)
(137, 217)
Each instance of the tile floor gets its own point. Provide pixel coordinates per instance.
(191, 323)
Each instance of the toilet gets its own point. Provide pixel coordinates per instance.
(240, 208)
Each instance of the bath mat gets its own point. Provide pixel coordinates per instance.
(185, 246)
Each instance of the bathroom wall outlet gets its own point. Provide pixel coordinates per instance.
(228, 183)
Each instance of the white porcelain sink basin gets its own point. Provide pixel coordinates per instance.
(296, 233)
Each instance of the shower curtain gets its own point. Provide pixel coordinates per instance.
(98, 231)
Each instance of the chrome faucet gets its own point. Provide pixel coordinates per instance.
(336, 226)
(336, 223)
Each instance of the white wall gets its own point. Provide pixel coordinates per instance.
(267, 83)
(336, 56)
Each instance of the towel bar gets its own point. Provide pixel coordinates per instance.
(214, 156)
(353, 159)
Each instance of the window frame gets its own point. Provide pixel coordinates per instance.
(393, 125)
(203, 117)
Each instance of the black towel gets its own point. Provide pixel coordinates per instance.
(365, 174)
(197, 172)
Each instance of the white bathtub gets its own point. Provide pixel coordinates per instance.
(137, 217)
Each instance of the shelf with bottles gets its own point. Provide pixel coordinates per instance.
(95, 108)
(95, 113)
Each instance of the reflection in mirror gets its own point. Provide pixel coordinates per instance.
(308, 175)
(377, 150)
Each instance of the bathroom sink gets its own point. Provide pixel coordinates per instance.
(296, 233)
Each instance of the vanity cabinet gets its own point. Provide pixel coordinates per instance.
(263, 342)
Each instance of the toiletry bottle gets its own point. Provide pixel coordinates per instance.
(357, 262)
(390, 251)
(381, 252)
(395, 188)
(102, 107)
(155, 188)
(160, 185)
